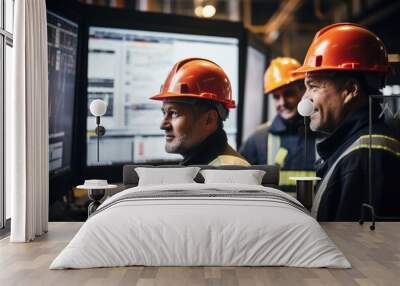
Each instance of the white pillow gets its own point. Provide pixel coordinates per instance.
(248, 177)
(165, 176)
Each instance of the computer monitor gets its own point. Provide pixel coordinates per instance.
(254, 98)
(125, 68)
(62, 37)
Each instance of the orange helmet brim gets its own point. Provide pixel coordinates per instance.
(170, 96)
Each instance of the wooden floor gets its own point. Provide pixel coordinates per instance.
(375, 256)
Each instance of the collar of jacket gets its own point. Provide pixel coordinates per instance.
(341, 137)
(280, 125)
(208, 150)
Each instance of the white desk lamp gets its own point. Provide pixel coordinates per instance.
(305, 185)
(98, 108)
(96, 188)
(305, 107)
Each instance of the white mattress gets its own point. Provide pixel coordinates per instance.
(183, 230)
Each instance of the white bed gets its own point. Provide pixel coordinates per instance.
(201, 224)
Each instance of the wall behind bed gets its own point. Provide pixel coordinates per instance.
(126, 140)
(91, 21)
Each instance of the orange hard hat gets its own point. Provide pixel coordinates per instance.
(279, 73)
(346, 47)
(199, 79)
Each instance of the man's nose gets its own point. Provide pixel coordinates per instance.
(281, 100)
(165, 124)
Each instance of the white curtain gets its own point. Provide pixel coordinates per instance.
(27, 123)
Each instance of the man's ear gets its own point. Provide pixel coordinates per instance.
(351, 90)
(212, 116)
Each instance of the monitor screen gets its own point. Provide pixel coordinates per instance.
(62, 37)
(253, 91)
(127, 67)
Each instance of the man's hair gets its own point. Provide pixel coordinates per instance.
(203, 106)
(369, 82)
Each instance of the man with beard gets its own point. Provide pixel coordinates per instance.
(344, 68)
(197, 96)
(282, 142)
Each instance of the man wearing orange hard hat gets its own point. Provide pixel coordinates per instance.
(197, 96)
(344, 69)
(282, 142)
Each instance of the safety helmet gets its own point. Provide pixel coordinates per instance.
(346, 47)
(197, 78)
(279, 73)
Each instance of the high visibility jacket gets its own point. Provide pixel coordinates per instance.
(344, 168)
(214, 150)
(229, 157)
(282, 143)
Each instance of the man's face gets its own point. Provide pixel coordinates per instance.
(286, 100)
(183, 129)
(328, 102)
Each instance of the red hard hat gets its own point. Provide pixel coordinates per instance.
(347, 47)
(197, 78)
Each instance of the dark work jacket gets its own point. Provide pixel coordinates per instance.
(291, 133)
(347, 188)
(214, 150)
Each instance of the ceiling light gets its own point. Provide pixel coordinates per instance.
(271, 37)
(209, 11)
(198, 11)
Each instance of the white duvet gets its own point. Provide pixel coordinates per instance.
(269, 228)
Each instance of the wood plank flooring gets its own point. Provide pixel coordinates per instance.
(375, 257)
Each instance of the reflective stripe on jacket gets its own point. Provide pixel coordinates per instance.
(345, 168)
(282, 143)
(375, 142)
